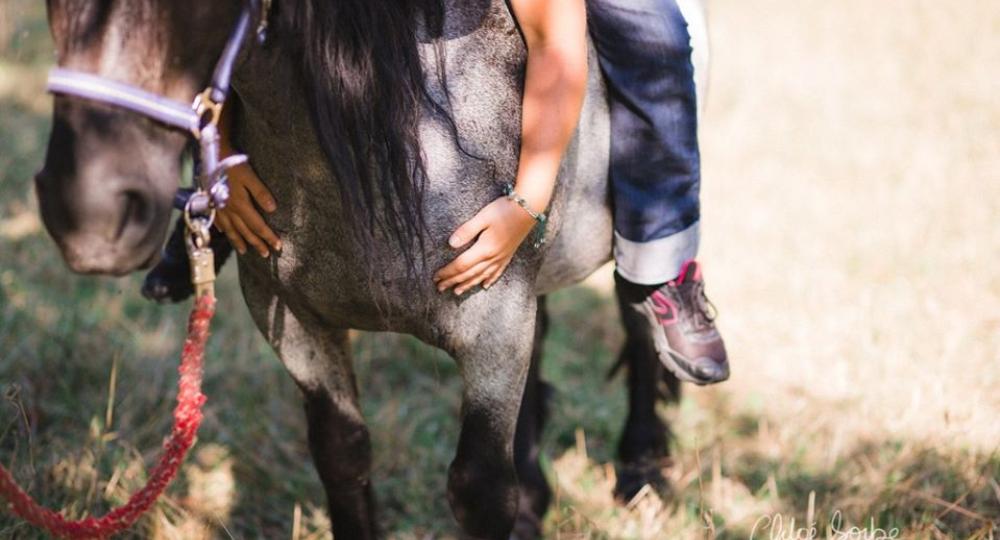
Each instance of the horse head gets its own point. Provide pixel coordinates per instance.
(106, 188)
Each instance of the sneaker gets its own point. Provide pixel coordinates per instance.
(683, 324)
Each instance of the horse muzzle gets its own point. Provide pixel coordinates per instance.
(107, 208)
(111, 233)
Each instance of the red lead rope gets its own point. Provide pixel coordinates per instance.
(187, 418)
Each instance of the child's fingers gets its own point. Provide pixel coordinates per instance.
(478, 279)
(257, 226)
(256, 188)
(483, 274)
(242, 208)
(249, 236)
(468, 259)
(223, 224)
(460, 279)
(496, 274)
(470, 229)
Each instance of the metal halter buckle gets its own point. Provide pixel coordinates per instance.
(203, 104)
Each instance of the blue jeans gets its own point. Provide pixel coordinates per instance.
(645, 54)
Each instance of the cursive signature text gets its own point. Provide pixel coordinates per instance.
(777, 528)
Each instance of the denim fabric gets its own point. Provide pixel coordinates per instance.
(645, 54)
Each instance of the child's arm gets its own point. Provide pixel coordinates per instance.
(555, 81)
(240, 220)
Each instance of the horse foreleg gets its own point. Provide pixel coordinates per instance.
(493, 350)
(319, 361)
(535, 492)
(341, 450)
(643, 449)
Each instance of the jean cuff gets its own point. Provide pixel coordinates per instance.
(656, 261)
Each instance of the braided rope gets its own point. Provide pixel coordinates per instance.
(187, 418)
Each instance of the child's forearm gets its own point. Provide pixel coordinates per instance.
(225, 129)
(556, 35)
(554, 87)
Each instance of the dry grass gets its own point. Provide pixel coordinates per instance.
(852, 233)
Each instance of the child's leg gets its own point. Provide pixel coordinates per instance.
(646, 56)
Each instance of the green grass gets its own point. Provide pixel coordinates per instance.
(848, 237)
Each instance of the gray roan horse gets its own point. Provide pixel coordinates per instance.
(374, 162)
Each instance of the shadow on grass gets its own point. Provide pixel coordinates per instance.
(747, 474)
(922, 491)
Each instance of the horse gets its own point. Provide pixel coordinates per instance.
(380, 127)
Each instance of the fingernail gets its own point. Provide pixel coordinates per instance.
(242, 251)
(277, 245)
(454, 242)
(270, 206)
(486, 287)
(264, 254)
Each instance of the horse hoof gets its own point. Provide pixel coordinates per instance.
(632, 478)
(162, 286)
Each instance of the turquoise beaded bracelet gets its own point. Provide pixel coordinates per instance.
(540, 217)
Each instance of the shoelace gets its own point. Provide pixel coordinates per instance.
(705, 311)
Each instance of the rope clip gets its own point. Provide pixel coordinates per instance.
(198, 240)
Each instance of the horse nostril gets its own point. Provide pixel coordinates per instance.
(137, 212)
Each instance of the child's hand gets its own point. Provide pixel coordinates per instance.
(240, 221)
(501, 227)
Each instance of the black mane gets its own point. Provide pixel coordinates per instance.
(365, 85)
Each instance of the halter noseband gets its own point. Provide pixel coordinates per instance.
(199, 119)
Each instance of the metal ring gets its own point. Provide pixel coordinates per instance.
(203, 103)
(188, 220)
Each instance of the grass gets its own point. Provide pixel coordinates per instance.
(851, 241)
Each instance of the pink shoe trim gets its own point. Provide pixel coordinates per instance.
(686, 267)
(665, 308)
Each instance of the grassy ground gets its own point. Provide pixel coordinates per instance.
(851, 237)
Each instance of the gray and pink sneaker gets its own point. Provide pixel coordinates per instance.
(682, 321)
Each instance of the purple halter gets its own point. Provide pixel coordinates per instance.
(199, 119)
